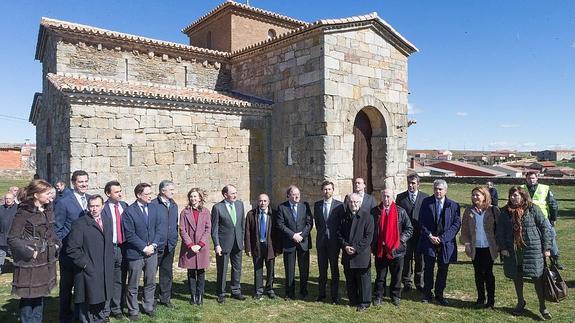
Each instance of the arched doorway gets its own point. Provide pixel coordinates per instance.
(362, 150)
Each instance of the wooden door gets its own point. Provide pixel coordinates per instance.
(362, 149)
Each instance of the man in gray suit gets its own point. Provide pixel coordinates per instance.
(228, 237)
(295, 222)
(367, 200)
(410, 201)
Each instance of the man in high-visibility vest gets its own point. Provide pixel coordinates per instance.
(543, 197)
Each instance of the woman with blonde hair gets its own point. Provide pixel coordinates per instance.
(35, 248)
(524, 240)
(478, 236)
(195, 229)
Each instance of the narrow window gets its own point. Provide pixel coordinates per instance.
(271, 34)
(125, 69)
(195, 153)
(289, 160)
(49, 167)
(130, 157)
(185, 76)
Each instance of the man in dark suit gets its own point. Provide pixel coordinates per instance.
(355, 235)
(327, 214)
(113, 209)
(7, 213)
(168, 211)
(440, 221)
(262, 244)
(66, 210)
(295, 222)
(228, 237)
(90, 248)
(367, 200)
(410, 201)
(143, 229)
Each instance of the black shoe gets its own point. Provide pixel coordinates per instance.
(545, 314)
(272, 295)
(167, 304)
(519, 308)
(335, 301)
(395, 301)
(303, 295)
(361, 308)
(133, 318)
(480, 301)
(117, 315)
(221, 299)
(320, 298)
(200, 299)
(377, 301)
(442, 301)
(239, 297)
(420, 289)
(193, 300)
(257, 297)
(426, 300)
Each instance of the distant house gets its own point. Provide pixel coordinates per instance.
(560, 172)
(417, 168)
(17, 156)
(465, 169)
(510, 171)
(476, 158)
(542, 166)
(433, 171)
(444, 155)
(555, 155)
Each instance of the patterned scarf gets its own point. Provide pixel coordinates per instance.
(517, 213)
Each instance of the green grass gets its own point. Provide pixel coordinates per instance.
(565, 163)
(460, 290)
(5, 185)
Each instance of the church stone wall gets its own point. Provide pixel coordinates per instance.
(228, 149)
(290, 74)
(363, 70)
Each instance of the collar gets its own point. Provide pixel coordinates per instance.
(264, 211)
(142, 205)
(328, 201)
(79, 195)
(164, 200)
(442, 201)
(293, 204)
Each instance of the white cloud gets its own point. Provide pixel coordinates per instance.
(461, 114)
(412, 109)
(558, 146)
(508, 125)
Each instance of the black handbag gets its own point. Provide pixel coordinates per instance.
(555, 287)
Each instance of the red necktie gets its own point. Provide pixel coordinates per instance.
(119, 237)
(99, 221)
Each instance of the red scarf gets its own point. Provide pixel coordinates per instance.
(388, 232)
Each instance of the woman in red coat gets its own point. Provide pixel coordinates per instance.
(195, 228)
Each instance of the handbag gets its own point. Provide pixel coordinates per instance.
(555, 287)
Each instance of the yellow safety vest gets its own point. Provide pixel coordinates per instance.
(540, 198)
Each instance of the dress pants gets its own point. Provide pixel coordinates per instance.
(413, 265)
(31, 310)
(135, 267)
(115, 305)
(67, 272)
(358, 283)
(92, 313)
(235, 257)
(165, 265)
(554, 247)
(440, 280)
(395, 268)
(328, 256)
(196, 281)
(303, 266)
(259, 271)
(484, 279)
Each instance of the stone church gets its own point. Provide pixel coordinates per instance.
(256, 99)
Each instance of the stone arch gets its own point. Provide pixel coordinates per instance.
(382, 129)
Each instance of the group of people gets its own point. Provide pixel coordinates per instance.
(104, 247)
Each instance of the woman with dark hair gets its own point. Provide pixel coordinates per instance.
(35, 248)
(478, 236)
(195, 229)
(524, 240)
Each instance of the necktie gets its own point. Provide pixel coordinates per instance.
(99, 221)
(262, 226)
(145, 211)
(119, 237)
(412, 198)
(84, 203)
(232, 213)
(438, 210)
(294, 211)
(325, 211)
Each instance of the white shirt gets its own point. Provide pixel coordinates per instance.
(480, 235)
(79, 199)
(112, 208)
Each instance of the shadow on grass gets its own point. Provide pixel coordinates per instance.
(526, 313)
(10, 310)
(570, 283)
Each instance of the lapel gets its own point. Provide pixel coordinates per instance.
(418, 199)
(290, 214)
(141, 213)
(190, 218)
(354, 221)
(93, 223)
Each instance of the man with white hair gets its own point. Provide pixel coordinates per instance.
(440, 221)
(7, 213)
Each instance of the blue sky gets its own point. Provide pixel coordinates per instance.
(490, 74)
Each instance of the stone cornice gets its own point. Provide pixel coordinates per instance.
(35, 109)
(334, 25)
(83, 90)
(97, 35)
(254, 12)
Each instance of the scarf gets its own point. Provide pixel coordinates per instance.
(388, 232)
(517, 214)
